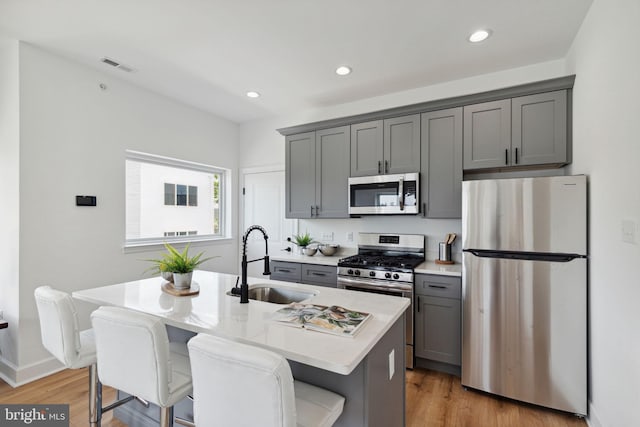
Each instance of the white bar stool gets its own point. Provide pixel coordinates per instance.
(135, 356)
(75, 349)
(241, 385)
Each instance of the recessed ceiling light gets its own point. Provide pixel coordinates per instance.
(253, 94)
(479, 36)
(343, 70)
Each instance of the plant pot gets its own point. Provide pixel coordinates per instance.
(182, 280)
(167, 275)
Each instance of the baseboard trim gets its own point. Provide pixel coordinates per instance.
(16, 376)
(592, 419)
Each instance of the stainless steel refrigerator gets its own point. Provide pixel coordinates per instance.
(524, 281)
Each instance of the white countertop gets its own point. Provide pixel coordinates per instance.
(430, 267)
(318, 258)
(213, 311)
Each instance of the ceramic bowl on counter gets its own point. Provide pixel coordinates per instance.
(328, 250)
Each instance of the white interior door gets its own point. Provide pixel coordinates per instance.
(263, 204)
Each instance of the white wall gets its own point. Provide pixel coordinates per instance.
(606, 60)
(10, 204)
(73, 141)
(261, 144)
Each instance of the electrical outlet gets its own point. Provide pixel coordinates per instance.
(327, 236)
(350, 236)
(1, 314)
(628, 231)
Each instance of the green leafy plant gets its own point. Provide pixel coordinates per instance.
(175, 261)
(303, 239)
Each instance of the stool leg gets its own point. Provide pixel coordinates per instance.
(95, 397)
(166, 416)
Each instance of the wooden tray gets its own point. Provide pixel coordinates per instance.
(171, 290)
(445, 262)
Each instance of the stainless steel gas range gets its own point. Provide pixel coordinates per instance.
(384, 265)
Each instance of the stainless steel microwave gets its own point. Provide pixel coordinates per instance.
(384, 194)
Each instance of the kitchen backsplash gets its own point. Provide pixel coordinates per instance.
(339, 230)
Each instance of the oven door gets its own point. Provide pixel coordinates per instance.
(397, 289)
(384, 194)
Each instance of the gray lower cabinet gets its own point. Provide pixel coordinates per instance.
(386, 146)
(311, 274)
(321, 275)
(438, 322)
(524, 131)
(316, 174)
(441, 164)
(286, 271)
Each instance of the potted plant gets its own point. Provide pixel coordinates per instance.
(303, 240)
(179, 264)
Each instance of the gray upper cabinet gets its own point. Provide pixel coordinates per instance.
(524, 131)
(441, 171)
(402, 144)
(539, 126)
(487, 135)
(386, 146)
(332, 173)
(300, 175)
(316, 173)
(367, 148)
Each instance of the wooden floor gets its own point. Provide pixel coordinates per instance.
(433, 400)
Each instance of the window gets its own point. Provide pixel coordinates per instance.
(183, 197)
(169, 199)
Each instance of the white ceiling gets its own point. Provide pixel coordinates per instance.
(209, 53)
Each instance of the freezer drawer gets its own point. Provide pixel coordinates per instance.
(524, 330)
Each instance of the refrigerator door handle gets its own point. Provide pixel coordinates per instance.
(531, 256)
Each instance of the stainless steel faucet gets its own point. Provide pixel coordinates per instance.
(244, 286)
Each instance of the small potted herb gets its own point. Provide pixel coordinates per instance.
(303, 240)
(180, 264)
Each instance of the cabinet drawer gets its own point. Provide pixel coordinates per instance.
(324, 275)
(438, 286)
(287, 271)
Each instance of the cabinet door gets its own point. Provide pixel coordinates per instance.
(539, 128)
(487, 135)
(332, 172)
(438, 329)
(441, 163)
(300, 175)
(402, 144)
(366, 148)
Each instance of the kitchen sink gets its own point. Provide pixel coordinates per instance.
(276, 295)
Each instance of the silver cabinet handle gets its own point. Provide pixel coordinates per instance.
(386, 166)
(379, 166)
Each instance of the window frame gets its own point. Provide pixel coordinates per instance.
(223, 202)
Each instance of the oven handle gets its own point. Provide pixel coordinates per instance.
(371, 284)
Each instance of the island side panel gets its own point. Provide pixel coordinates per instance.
(372, 398)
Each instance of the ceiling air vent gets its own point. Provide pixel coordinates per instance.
(118, 65)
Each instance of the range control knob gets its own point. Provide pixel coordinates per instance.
(387, 275)
(372, 273)
(357, 272)
(396, 276)
(349, 271)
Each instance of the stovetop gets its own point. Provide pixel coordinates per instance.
(381, 262)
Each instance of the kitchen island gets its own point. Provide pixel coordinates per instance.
(368, 369)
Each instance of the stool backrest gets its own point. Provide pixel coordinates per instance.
(240, 385)
(58, 324)
(133, 353)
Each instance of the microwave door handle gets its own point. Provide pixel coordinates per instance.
(401, 195)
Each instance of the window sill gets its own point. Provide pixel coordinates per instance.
(146, 246)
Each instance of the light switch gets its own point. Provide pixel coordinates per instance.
(629, 231)
(327, 236)
(350, 236)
